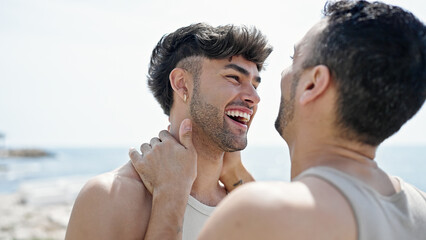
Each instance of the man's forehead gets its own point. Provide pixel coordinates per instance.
(243, 66)
(310, 36)
(235, 60)
(240, 59)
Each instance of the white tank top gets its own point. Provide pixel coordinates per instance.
(396, 217)
(196, 214)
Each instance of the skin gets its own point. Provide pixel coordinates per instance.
(123, 204)
(308, 208)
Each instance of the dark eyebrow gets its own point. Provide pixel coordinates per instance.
(242, 70)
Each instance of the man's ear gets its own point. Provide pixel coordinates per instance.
(178, 80)
(316, 84)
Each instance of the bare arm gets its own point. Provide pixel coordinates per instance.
(111, 206)
(166, 220)
(310, 209)
(234, 173)
(243, 214)
(168, 169)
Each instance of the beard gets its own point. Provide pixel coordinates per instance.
(286, 111)
(285, 114)
(210, 120)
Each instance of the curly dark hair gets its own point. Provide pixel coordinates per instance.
(376, 54)
(201, 40)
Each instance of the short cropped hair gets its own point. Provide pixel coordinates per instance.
(201, 40)
(376, 54)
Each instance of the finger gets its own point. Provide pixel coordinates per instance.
(145, 148)
(134, 156)
(154, 141)
(166, 136)
(185, 134)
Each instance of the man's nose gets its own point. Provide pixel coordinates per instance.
(250, 95)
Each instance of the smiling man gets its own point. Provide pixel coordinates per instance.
(357, 76)
(208, 75)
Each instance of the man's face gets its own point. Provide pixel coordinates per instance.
(225, 100)
(290, 79)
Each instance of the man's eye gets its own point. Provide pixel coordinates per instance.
(236, 78)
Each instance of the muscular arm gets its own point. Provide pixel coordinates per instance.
(168, 170)
(166, 220)
(111, 206)
(244, 214)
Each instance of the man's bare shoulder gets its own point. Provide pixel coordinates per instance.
(121, 179)
(119, 186)
(111, 206)
(309, 209)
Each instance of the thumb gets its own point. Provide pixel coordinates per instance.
(185, 134)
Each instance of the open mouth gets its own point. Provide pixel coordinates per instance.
(238, 116)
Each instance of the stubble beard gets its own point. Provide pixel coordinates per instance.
(211, 121)
(286, 111)
(285, 115)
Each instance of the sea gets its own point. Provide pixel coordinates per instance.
(270, 163)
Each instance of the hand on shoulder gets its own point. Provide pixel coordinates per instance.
(167, 165)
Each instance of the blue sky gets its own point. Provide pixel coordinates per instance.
(73, 73)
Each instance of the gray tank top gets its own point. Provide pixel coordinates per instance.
(400, 216)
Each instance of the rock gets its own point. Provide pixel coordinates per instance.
(25, 153)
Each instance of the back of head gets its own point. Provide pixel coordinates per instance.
(201, 40)
(376, 54)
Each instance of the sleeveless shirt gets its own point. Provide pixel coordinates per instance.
(399, 216)
(196, 214)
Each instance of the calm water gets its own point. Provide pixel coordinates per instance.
(265, 163)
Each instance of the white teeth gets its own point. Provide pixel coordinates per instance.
(247, 116)
(235, 113)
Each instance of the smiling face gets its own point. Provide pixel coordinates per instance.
(225, 100)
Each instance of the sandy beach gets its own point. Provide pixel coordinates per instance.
(38, 210)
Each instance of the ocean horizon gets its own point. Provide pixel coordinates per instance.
(266, 163)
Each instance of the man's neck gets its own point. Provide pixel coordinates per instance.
(352, 158)
(345, 155)
(206, 187)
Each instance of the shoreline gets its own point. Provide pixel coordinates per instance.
(39, 209)
(24, 153)
(25, 221)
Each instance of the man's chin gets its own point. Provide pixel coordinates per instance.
(278, 126)
(235, 146)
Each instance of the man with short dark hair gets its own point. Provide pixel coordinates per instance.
(209, 75)
(357, 76)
